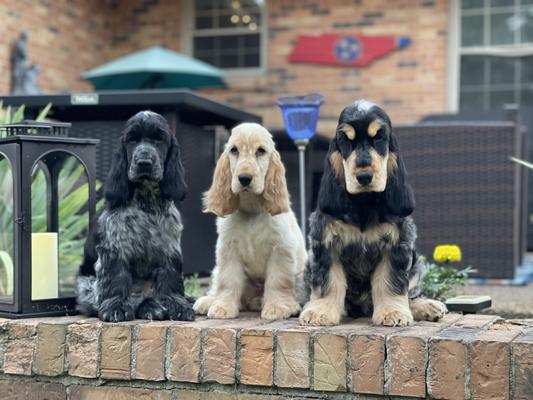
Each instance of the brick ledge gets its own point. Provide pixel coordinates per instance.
(472, 356)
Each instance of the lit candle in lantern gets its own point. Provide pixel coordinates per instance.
(44, 266)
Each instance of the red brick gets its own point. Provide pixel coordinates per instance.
(4, 338)
(256, 357)
(18, 357)
(522, 360)
(50, 349)
(476, 321)
(448, 359)
(406, 360)
(184, 353)
(367, 358)
(27, 390)
(219, 355)
(83, 392)
(490, 364)
(83, 348)
(150, 357)
(115, 351)
(329, 364)
(292, 359)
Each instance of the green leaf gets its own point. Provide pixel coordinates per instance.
(19, 115)
(7, 116)
(44, 112)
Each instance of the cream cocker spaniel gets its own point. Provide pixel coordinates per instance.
(260, 251)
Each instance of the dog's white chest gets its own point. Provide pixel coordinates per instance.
(252, 238)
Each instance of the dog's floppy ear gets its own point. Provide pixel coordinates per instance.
(173, 184)
(219, 199)
(399, 196)
(332, 196)
(118, 189)
(275, 194)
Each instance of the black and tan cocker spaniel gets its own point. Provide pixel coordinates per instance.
(132, 265)
(362, 256)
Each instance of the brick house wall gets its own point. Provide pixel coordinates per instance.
(67, 38)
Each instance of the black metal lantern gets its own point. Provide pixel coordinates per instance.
(47, 200)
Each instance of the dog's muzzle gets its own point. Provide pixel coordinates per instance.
(145, 164)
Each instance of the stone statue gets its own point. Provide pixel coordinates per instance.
(23, 74)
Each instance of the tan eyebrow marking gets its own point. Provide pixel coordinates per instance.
(348, 130)
(374, 127)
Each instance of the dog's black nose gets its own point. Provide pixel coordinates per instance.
(245, 179)
(364, 178)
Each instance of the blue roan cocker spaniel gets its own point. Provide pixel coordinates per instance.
(132, 265)
(362, 256)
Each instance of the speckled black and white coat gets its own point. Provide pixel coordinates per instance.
(133, 260)
(362, 257)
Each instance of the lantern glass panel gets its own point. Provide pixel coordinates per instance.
(60, 221)
(6, 231)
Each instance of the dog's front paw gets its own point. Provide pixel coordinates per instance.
(320, 312)
(178, 308)
(427, 309)
(223, 310)
(280, 310)
(201, 306)
(116, 310)
(389, 316)
(151, 309)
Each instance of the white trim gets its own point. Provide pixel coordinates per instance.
(456, 51)
(454, 73)
(187, 21)
(523, 50)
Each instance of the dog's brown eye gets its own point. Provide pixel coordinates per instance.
(380, 135)
(234, 150)
(260, 151)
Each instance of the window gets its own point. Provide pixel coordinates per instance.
(495, 54)
(228, 33)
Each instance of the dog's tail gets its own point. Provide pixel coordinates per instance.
(87, 295)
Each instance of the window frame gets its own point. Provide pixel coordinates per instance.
(456, 50)
(189, 33)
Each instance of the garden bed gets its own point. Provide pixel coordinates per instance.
(473, 356)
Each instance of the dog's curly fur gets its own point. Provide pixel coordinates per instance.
(132, 265)
(260, 251)
(362, 256)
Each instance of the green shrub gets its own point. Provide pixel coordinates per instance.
(193, 287)
(441, 281)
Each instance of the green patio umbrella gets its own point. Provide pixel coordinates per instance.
(154, 68)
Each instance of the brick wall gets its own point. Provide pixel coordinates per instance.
(68, 37)
(472, 357)
(409, 83)
(65, 38)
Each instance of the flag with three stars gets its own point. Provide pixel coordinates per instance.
(345, 49)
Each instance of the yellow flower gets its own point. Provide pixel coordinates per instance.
(446, 253)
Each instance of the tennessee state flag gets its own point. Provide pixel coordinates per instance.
(343, 49)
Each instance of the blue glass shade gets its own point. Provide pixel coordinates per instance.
(300, 114)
